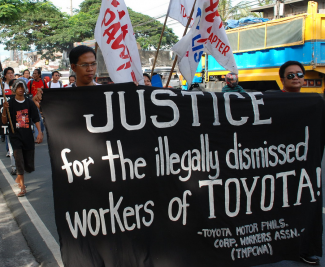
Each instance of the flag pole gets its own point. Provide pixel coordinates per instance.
(5, 98)
(161, 36)
(176, 57)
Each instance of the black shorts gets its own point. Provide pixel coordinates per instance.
(24, 160)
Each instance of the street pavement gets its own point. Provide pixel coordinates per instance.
(34, 242)
(14, 250)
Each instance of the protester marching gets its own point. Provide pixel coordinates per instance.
(145, 174)
(55, 83)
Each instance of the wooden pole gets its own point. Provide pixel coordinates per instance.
(5, 98)
(158, 48)
(187, 25)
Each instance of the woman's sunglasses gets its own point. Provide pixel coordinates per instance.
(292, 75)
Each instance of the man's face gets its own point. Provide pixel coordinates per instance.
(56, 77)
(26, 74)
(84, 71)
(292, 85)
(20, 90)
(36, 76)
(9, 76)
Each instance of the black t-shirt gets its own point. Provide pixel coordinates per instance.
(22, 115)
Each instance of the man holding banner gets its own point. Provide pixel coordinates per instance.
(156, 177)
(162, 177)
(292, 77)
(83, 63)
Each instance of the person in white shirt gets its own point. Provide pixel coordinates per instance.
(55, 83)
(8, 74)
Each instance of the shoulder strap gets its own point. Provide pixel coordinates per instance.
(44, 84)
(50, 84)
(60, 84)
(30, 86)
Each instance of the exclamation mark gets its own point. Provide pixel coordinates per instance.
(318, 172)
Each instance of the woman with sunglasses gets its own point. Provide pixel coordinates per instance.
(292, 76)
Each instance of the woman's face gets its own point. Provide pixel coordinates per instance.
(71, 80)
(146, 81)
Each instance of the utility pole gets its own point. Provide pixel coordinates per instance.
(279, 9)
(71, 8)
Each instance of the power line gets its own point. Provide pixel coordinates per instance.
(245, 4)
(158, 6)
(242, 4)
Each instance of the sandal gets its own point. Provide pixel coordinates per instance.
(22, 193)
(18, 185)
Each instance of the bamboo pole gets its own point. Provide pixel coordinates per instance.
(176, 57)
(158, 48)
(5, 98)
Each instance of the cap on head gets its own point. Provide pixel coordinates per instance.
(232, 79)
(16, 83)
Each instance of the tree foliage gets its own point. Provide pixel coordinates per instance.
(43, 27)
(148, 30)
(240, 10)
(37, 24)
(11, 9)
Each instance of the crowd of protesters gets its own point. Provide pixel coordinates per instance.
(25, 115)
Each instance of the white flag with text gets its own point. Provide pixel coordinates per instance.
(180, 10)
(115, 37)
(207, 35)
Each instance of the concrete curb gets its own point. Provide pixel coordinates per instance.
(14, 250)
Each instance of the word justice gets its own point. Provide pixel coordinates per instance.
(256, 102)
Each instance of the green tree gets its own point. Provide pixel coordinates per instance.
(10, 10)
(227, 10)
(39, 25)
(148, 30)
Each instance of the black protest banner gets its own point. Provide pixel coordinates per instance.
(4, 129)
(147, 176)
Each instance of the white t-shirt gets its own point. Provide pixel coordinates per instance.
(70, 85)
(54, 85)
(6, 88)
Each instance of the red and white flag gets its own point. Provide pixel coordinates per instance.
(115, 37)
(207, 35)
(180, 10)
